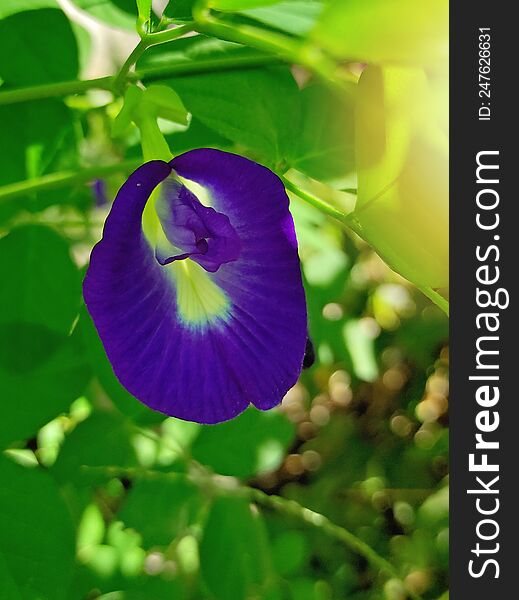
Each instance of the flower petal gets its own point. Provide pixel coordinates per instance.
(198, 231)
(195, 344)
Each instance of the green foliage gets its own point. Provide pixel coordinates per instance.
(117, 13)
(144, 8)
(36, 536)
(254, 108)
(103, 497)
(32, 135)
(289, 552)
(252, 443)
(38, 304)
(171, 507)
(25, 56)
(44, 282)
(234, 535)
(324, 148)
(235, 5)
(79, 458)
(261, 109)
(181, 10)
(294, 16)
(380, 31)
(11, 7)
(35, 139)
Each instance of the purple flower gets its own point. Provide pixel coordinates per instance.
(99, 190)
(200, 306)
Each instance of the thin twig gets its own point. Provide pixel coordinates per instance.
(147, 41)
(228, 486)
(65, 178)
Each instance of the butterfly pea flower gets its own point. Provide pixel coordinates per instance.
(195, 287)
(99, 192)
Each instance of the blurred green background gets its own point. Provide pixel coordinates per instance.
(102, 498)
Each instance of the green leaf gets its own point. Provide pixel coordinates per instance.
(33, 134)
(8, 588)
(36, 138)
(325, 140)
(39, 300)
(132, 100)
(42, 285)
(36, 536)
(144, 8)
(27, 57)
(170, 508)
(289, 552)
(181, 10)
(102, 440)
(32, 361)
(233, 5)
(165, 103)
(155, 588)
(197, 135)
(294, 16)
(234, 535)
(10, 7)
(305, 588)
(402, 151)
(382, 31)
(117, 13)
(194, 49)
(252, 443)
(255, 108)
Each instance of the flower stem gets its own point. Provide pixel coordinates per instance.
(274, 48)
(147, 41)
(177, 69)
(121, 77)
(153, 142)
(349, 221)
(208, 65)
(287, 48)
(435, 297)
(55, 90)
(291, 508)
(294, 509)
(321, 205)
(65, 178)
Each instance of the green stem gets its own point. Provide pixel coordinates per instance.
(178, 69)
(54, 90)
(435, 297)
(289, 49)
(321, 205)
(291, 508)
(147, 41)
(350, 222)
(65, 178)
(121, 77)
(208, 65)
(277, 46)
(154, 145)
(294, 509)
(268, 41)
(228, 486)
